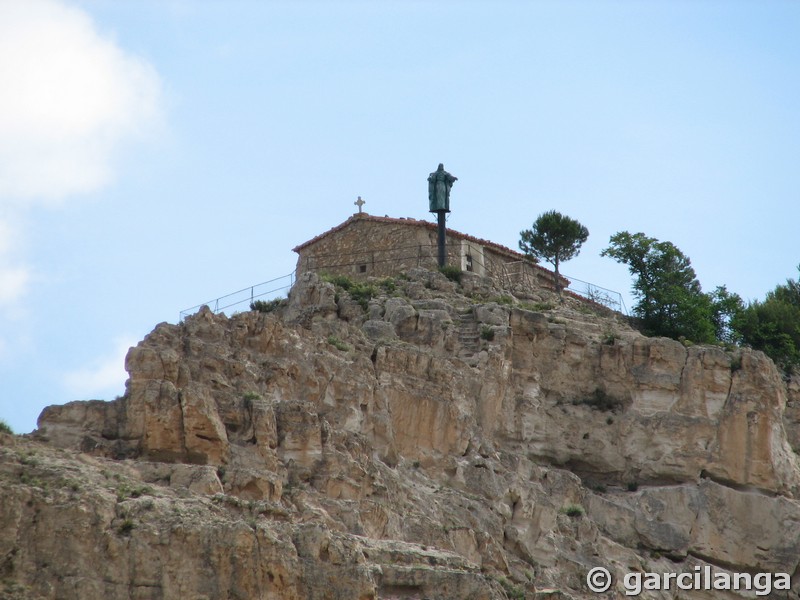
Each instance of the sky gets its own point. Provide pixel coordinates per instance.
(155, 155)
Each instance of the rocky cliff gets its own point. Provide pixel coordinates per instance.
(425, 439)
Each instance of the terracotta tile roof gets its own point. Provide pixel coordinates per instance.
(417, 223)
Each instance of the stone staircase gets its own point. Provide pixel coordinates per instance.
(469, 337)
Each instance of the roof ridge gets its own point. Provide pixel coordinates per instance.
(403, 221)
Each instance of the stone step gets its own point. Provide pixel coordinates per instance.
(469, 338)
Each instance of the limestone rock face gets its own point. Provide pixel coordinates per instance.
(422, 443)
(672, 413)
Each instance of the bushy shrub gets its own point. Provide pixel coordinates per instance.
(125, 491)
(337, 343)
(248, 398)
(5, 428)
(267, 306)
(513, 591)
(363, 293)
(126, 527)
(452, 272)
(341, 281)
(388, 284)
(359, 291)
(574, 510)
(537, 306)
(507, 300)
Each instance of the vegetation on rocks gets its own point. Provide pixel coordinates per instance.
(267, 306)
(452, 272)
(337, 343)
(575, 511)
(361, 292)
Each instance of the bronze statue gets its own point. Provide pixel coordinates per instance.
(439, 184)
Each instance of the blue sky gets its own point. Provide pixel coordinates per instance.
(155, 155)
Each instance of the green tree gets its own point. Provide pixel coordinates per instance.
(555, 238)
(725, 308)
(670, 300)
(773, 326)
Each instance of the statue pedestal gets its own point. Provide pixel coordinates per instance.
(441, 238)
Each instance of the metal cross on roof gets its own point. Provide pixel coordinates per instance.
(359, 203)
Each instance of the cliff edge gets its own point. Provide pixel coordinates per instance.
(422, 439)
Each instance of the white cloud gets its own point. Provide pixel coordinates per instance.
(14, 277)
(13, 283)
(69, 97)
(105, 376)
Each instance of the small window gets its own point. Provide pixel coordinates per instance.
(362, 268)
(469, 262)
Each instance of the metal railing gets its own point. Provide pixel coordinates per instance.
(595, 293)
(516, 272)
(521, 271)
(507, 274)
(260, 291)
